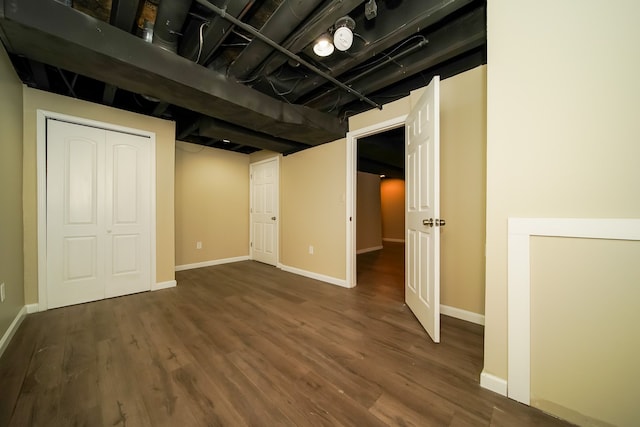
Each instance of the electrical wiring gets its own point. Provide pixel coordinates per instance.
(388, 55)
(201, 39)
(334, 106)
(234, 44)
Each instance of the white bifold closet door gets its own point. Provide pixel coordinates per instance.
(98, 213)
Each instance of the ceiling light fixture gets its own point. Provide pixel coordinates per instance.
(343, 35)
(323, 46)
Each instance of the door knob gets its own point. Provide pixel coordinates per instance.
(440, 223)
(428, 222)
(273, 218)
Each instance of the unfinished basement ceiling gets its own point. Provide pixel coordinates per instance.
(220, 82)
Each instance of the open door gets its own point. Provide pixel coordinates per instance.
(422, 170)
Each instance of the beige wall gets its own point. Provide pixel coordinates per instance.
(462, 167)
(368, 212)
(11, 258)
(393, 204)
(584, 363)
(212, 204)
(389, 111)
(312, 199)
(165, 151)
(562, 139)
(462, 189)
(261, 155)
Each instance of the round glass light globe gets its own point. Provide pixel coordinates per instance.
(323, 47)
(343, 38)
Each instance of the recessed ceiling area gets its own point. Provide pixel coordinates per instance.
(242, 75)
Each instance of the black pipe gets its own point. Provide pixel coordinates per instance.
(376, 67)
(223, 13)
(169, 21)
(287, 16)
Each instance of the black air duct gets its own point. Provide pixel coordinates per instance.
(169, 21)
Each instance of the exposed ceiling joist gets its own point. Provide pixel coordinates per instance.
(315, 26)
(408, 18)
(109, 94)
(288, 14)
(124, 12)
(40, 74)
(446, 43)
(229, 86)
(203, 36)
(115, 57)
(218, 129)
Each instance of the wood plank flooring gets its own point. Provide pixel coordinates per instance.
(248, 344)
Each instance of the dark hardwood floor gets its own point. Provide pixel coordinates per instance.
(248, 344)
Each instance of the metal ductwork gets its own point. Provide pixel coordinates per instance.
(169, 22)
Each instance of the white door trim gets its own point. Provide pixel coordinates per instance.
(251, 165)
(352, 171)
(520, 231)
(41, 180)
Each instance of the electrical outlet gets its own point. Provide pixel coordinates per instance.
(310, 250)
(1, 292)
(198, 245)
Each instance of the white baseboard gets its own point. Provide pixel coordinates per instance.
(458, 313)
(316, 276)
(13, 327)
(493, 383)
(365, 250)
(210, 263)
(164, 285)
(32, 308)
(388, 239)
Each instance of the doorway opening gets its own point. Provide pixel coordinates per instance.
(380, 213)
(394, 125)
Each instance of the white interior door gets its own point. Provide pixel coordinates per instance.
(75, 214)
(264, 211)
(422, 170)
(128, 213)
(98, 213)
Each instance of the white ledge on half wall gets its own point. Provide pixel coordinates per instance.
(519, 234)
